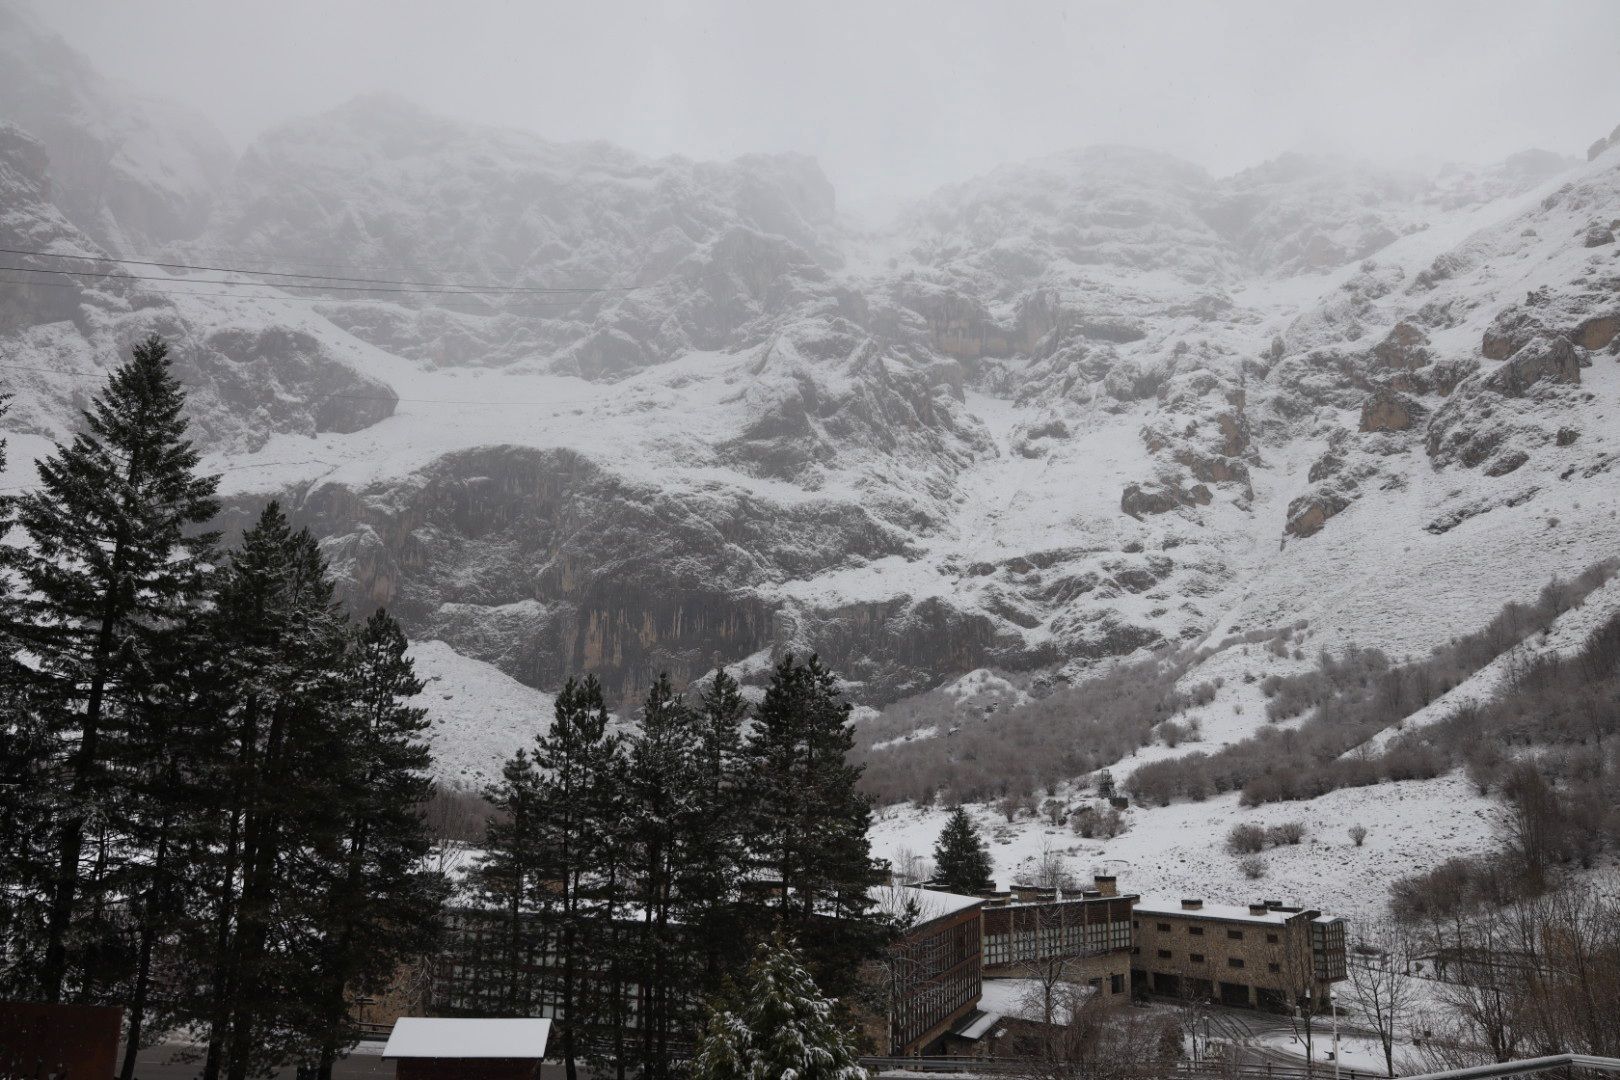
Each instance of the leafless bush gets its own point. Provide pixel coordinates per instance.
(1350, 697)
(1289, 832)
(1073, 730)
(1358, 833)
(1246, 839)
(1253, 867)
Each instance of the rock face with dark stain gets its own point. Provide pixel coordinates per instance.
(1387, 410)
(546, 564)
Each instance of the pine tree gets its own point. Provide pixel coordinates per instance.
(783, 1027)
(114, 555)
(581, 762)
(383, 907)
(809, 823)
(961, 861)
(169, 753)
(509, 876)
(713, 865)
(26, 827)
(660, 799)
(278, 688)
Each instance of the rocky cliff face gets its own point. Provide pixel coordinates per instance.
(1079, 407)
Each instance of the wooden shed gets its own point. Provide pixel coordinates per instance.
(70, 1042)
(453, 1048)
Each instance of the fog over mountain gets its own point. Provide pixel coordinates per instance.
(1080, 406)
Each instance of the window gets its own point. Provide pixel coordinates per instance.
(1136, 950)
(1235, 935)
(1274, 968)
(1095, 984)
(1197, 958)
(1116, 984)
(1234, 962)
(1164, 954)
(1164, 928)
(1271, 939)
(1136, 924)
(1196, 931)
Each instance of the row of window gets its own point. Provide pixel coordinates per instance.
(1231, 961)
(1039, 942)
(1198, 931)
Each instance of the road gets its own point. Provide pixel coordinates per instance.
(1244, 1028)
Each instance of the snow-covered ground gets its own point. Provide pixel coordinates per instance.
(1179, 850)
(478, 715)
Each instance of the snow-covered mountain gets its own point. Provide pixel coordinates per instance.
(1075, 408)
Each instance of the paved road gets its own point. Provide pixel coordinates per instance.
(1243, 1028)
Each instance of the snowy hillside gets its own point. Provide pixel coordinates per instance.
(1072, 410)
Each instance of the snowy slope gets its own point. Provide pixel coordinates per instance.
(1074, 409)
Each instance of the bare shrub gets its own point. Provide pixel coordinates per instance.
(1246, 839)
(1058, 734)
(1289, 832)
(1253, 867)
(1358, 833)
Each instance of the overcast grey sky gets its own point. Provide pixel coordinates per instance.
(895, 98)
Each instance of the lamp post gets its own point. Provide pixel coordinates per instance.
(1333, 1003)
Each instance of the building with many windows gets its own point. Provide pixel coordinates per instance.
(931, 974)
(1264, 954)
(1081, 937)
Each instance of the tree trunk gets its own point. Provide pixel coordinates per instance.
(143, 967)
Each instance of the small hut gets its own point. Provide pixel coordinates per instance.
(453, 1048)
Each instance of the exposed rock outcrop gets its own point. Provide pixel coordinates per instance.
(1387, 410)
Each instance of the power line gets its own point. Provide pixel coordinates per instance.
(82, 373)
(561, 305)
(125, 276)
(318, 277)
(209, 251)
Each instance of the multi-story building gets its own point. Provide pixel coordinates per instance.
(1083, 937)
(1266, 954)
(931, 974)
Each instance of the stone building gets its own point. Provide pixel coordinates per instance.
(1265, 954)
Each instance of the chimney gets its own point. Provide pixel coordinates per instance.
(1105, 884)
(1192, 905)
(1258, 908)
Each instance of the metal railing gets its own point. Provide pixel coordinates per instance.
(1528, 1065)
(1227, 1070)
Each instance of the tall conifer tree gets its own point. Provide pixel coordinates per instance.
(168, 761)
(713, 867)
(509, 877)
(281, 700)
(115, 555)
(25, 809)
(661, 793)
(809, 821)
(961, 862)
(581, 761)
(382, 908)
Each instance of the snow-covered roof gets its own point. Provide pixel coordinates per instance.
(1224, 912)
(931, 903)
(1023, 999)
(980, 1025)
(459, 1037)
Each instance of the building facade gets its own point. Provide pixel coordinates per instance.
(1264, 955)
(1083, 938)
(932, 972)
